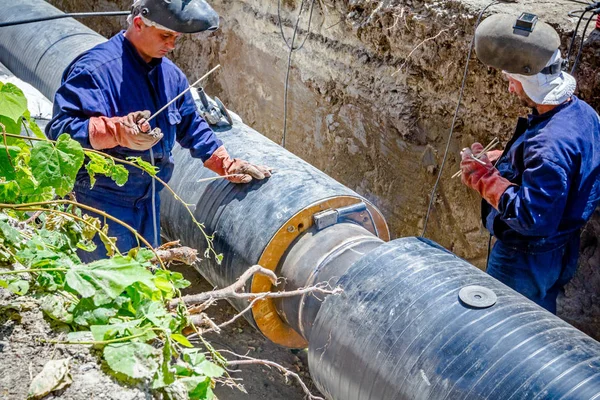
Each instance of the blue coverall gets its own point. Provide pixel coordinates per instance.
(110, 80)
(554, 160)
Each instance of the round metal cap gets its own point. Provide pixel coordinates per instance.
(477, 296)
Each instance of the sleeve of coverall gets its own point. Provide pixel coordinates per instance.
(535, 208)
(75, 101)
(193, 132)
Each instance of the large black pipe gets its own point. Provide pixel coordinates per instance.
(399, 330)
(257, 223)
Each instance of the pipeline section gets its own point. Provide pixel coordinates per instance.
(399, 330)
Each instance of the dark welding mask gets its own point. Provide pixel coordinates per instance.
(518, 45)
(185, 16)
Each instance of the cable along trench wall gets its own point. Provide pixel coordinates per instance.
(399, 330)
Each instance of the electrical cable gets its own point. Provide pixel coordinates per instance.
(575, 34)
(462, 88)
(583, 40)
(289, 64)
(70, 15)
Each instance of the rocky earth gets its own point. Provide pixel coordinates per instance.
(371, 97)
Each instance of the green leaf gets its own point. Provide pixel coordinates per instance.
(116, 330)
(146, 166)
(19, 287)
(8, 161)
(200, 365)
(107, 279)
(156, 313)
(134, 359)
(99, 164)
(166, 373)
(55, 307)
(198, 387)
(182, 340)
(33, 126)
(9, 235)
(9, 192)
(57, 165)
(86, 313)
(12, 101)
(10, 126)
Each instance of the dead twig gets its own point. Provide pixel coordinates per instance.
(286, 372)
(229, 291)
(182, 254)
(419, 45)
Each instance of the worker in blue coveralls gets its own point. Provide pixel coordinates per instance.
(544, 186)
(109, 91)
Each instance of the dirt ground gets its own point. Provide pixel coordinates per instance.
(23, 355)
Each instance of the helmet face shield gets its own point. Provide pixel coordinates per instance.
(500, 42)
(185, 16)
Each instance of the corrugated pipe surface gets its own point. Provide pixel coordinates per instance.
(399, 330)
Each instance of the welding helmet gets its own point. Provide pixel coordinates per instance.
(185, 16)
(518, 45)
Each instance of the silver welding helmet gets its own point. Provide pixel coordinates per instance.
(185, 16)
(518, 45)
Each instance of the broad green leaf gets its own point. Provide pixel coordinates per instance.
(99, 164)
(134, 359)
(156, 313)
(166, 373)
(198, 387)
(9, 192)
(33, 126)
(10, 126)
(116, 330)
(106, 279)
(176, 278)
(182, 340)
(19, 287)
(146, 166)
(3, 283)
(8, 161)
(55, 307)
(54, 376)
(86, 313)
(12, 101)
(9, 235)
(57, 165)
(81, 336)
(200, 365)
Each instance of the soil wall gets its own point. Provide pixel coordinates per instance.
(371, 98)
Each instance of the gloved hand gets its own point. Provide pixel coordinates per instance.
(222, 164)
(483, 177)
(494, 155)
(131, 131)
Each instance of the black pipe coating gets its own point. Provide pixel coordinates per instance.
(399, 331)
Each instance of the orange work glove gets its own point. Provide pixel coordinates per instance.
(483, 177)
(494, 155)
(222, 164)
(131, 131)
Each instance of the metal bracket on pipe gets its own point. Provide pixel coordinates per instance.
(330, 217)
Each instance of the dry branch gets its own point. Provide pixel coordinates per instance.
(229, 291)
(286, 372)
(183, 254)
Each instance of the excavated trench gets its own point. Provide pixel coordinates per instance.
(371, 98)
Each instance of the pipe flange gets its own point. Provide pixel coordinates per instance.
(477, 296)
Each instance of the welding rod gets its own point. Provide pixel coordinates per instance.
(487, 148)
(182, 93)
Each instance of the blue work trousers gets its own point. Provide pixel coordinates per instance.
(539, 276)
(138, 215)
